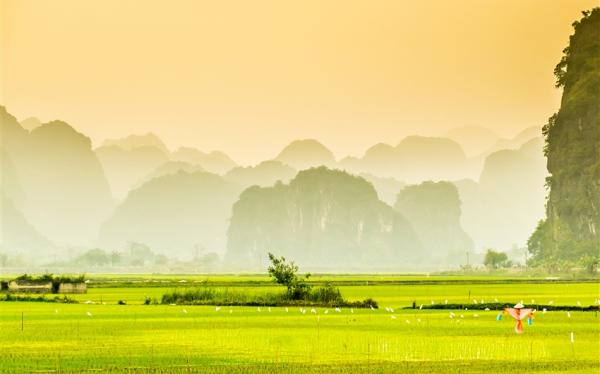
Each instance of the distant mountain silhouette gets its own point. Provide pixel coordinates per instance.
(306, 153)
(168, 168)
(504, 207)
(214, 162)
(434, 211)
(174, 214)
(11, 185)
(473, 139)
(125, 167)
(31, 123)
(264, 174)
(133, 141)
(515, 142)
(414, 159)
(387, 187)
(322, 218)
(65, 192)
(17, 234)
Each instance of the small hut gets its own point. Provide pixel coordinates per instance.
(30, 286)
(79, 287)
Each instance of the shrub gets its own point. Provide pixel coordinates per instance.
(286, 274)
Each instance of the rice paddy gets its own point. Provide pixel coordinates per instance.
(98, 334)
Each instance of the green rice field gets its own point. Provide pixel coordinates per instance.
(98, 335)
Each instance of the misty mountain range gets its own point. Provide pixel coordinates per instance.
(59, 193)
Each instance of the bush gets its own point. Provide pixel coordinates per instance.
(322, 296)
(496, 260)
(286, 274)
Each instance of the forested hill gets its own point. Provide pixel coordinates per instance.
(321, 217)
(571, 231)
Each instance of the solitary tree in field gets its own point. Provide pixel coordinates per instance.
(285, 273)
(496, 260)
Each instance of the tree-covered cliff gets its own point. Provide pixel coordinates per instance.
(571, 230)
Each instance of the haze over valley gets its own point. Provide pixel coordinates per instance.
(418, 203)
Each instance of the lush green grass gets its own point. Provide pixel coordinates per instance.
(163, 338)
(392, 295)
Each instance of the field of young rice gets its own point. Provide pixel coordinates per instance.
(98, 334)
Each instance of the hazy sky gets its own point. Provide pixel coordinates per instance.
(247, 77)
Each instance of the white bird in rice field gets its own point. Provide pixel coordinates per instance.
(420, 306)
(217, 309)
(184, 311)
(230, 311)
(338, 310)
(326, 311)
(462, 316)
(258, 309)
(578, 303)
(372, 307)
(286, 309)
(269, 309)
(408, 322)
(568, 314)
(393, 317)
(352, 310)
(313, 310)
(550, 302)
(544, 311)
(89, 314)
(446, 301)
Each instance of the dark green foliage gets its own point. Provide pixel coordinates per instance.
(44, 299)
(56, 280)
(33, 278)
(326, 296)
(496, 260)
(286, 274)
(571, 232)
(150, 301)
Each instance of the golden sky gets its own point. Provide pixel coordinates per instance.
(247, 77)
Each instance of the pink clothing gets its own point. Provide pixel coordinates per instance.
(519, 314)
